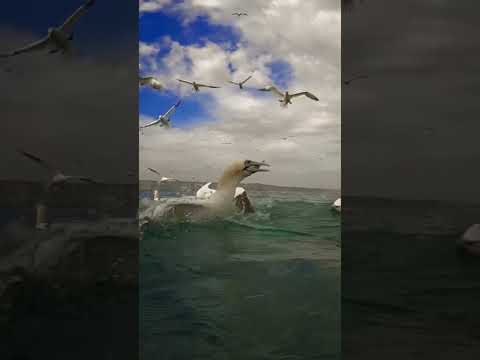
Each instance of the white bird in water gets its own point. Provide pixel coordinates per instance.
(240, 84)
(163, 178)
(150, 81)
(197, 86)
(241, 199)
(58, 38)
(163, 120)
(58, 178)
(286, 97)
(358, 77)
(240, 14)
(220, 203)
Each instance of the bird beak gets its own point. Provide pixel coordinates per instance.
(255, 166)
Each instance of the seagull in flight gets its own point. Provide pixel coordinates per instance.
(285, 98)
(164, 120)
(150, 81)
(57, 177)
(197, 86)
(348, 81)
(240, 84)
(238, 14)
(57, 38)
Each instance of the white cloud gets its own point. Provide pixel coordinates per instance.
(306, 35)
(152, 5)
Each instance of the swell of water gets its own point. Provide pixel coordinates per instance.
(262, 286)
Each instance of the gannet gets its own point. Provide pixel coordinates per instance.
(150, 81)
(240, 14)
(241, 200)
(57, 177)
(197, 86)
(240, 84)
(286, 97)
(219, 203)
(470, 240)
(347, 82)
(163, 120)
(58, 38)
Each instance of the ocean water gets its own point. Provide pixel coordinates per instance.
(266, 286)
(407, 292)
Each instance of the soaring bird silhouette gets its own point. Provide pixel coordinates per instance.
(286, 97)
(57, 38)
(197, 86)
(240, 84)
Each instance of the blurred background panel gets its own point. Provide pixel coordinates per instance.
(68, 253)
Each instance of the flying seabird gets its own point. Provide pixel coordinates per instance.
(240, 84)
(163, 178)
(347, 82)
(58, 38)
(58, 178)
(163, 120)
(220, 203)
(240, 14)
(197, 86)
(286, 97)
(150, 81)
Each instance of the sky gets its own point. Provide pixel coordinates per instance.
(78, 113)
(292, 44)
(410, 130)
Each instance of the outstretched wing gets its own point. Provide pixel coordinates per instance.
(273, 89)
(150, 124)
(172, 109)
(248, 78)
(307, 94)
(231, 82)
(81, 178)
(37, 45)
(186, 82)
(68, 24)
(208, 86)
(154, 171)
(355, 78)
(39, 161)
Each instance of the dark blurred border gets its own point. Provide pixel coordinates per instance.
(410, 180)
(69, 290)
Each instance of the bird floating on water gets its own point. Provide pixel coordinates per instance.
(150, 81)
(286, 97)
(197, 86)
(240, 84)
(220, 203)
(164, 120)
(58, 38)
(57, 177)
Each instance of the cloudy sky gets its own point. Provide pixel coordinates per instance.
(294, 44)
(411, 129)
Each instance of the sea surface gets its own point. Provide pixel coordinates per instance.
(407, 292)
(265, 286)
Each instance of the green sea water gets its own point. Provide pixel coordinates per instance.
(266, 286)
